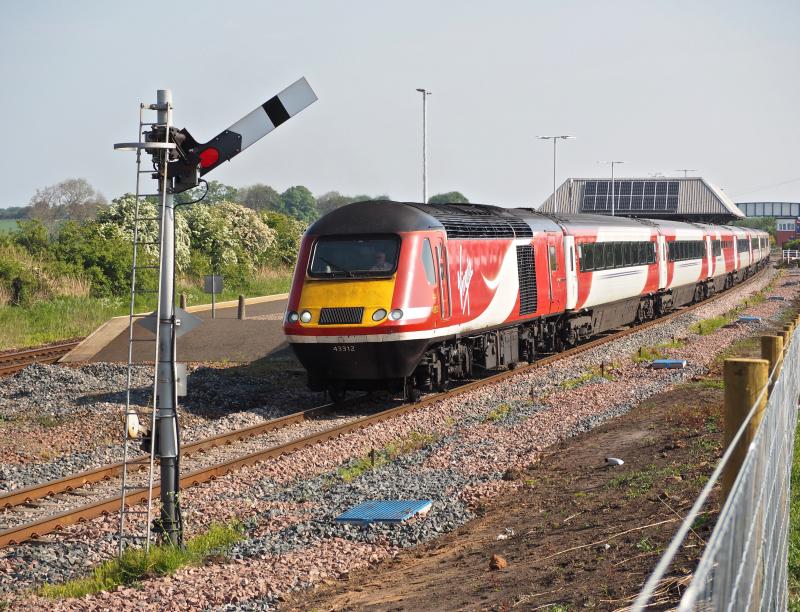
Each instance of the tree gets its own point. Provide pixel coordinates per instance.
(299, 202)
(768, 224)
(214, 192)
(260, 197)
(288, 233)
(72, 199)
(331, 201)
(116, 223)
(451, 197)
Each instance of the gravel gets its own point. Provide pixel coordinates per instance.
(61, 420)
(288, 504)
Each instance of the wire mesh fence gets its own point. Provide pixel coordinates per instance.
(744, 564)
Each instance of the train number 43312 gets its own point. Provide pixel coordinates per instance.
(344, 348)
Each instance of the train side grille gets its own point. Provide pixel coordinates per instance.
(526, 271)
(341, 316)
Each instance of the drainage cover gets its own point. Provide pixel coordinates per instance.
(749, 319)
(385, 511)
(668, 364)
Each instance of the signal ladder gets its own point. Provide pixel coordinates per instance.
(132, 434)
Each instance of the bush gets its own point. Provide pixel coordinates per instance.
(33, 236)
(288, 233)
(229, 234)
(104, 259)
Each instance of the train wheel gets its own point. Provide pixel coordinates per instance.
(412, 392)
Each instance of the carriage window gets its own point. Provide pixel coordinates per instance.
(619, 258)
(599, 256)
(587, 261)
(627, 249)
(553, 260)
(427, 262)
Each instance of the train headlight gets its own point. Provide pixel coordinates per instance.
(293, 317)
(396, 314)
(379, 315)
(305, 316)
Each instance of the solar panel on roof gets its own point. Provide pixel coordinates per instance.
(631, 196)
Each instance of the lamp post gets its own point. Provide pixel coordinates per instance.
(555, 139)
(425, 93)
(613, 163)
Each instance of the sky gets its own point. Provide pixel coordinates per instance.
(709, 86)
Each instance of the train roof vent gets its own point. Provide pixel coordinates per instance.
(474, 221)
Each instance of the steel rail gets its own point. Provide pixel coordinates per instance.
(14, 361)
(75, 481)
(37, 528)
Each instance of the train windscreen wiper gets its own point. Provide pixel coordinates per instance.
(339, 267)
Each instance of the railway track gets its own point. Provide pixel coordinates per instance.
(14, 361)
(108, 505)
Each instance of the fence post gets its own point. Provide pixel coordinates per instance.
(183, 301)
(744, 381)
(772, 351)
(241, 315)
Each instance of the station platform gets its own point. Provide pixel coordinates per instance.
(224, 338)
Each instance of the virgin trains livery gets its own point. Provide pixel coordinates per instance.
(407, 296)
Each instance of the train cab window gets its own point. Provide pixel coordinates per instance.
(553, 261)
(354, 257)
(427, 262)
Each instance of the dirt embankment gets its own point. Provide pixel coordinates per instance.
(576, 533)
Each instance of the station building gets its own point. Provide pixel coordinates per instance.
(681, 199)
(786, 215)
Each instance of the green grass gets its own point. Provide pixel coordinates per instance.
(72, 317)
(595, 372)
(8, 225)
(378, 458)
(134, 566)
(52, 320)
(498, 414)
(794, 529)
(657, 351)
(640, 482)
(709, 326)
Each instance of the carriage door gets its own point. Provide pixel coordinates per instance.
(445, 307)
(557, 271)
(661, 251)
(571, 264)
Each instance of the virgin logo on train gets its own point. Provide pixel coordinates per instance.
(464, 279)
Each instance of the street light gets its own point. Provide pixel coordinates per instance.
(613, 163)
(555, 139)
(425, 93)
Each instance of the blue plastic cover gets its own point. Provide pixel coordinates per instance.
(668, 364)
(385, 511)
(749, 319)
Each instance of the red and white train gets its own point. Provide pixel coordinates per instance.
(400, 295)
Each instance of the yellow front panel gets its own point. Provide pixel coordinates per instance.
(369, 293)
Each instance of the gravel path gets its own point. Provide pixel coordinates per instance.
(468, 444)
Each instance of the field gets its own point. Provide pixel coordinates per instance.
(75, 316)
(8, 225)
